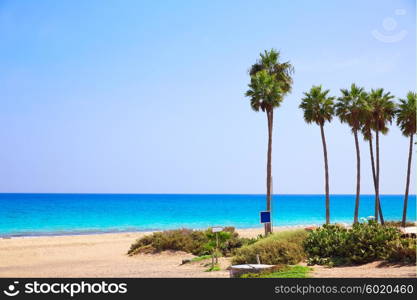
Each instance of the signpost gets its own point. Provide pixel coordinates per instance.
(216, 230)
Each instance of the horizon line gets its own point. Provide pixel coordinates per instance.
(255, 194)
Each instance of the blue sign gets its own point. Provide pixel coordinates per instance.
(265, 217)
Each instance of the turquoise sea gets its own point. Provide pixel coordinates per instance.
(53, 214)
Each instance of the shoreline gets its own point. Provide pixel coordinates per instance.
(144, 231)
(133, 231)
(89, 232)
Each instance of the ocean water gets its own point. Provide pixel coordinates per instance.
(51, 214)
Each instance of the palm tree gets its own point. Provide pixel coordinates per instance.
(351, 108)
(406, 120)
(382, 113)
(367, 136)
(318, 108)
(270, 81)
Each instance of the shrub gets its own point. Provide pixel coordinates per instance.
(294, 236)
(279, 248)
(365, 242)
(229, 240)
(197, 242)
(325, 243)
(178, 240)
(402, 250)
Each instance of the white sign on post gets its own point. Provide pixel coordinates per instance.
(217, 229)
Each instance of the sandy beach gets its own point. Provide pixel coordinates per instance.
(104, 255)
(99, 255)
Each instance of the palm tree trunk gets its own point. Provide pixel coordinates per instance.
(377, 170)
(326, 174)
(371, 150)
(268, 227)
(407, 185)
(378, 209)
(358, 177)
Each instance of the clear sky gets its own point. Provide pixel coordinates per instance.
(148, 96)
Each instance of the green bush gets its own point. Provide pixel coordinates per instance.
(233, 242)
(365, 242)
(197, 242)
(369, 241)
(279, 248)
(294, 236)
(402, 250)
(325, 243)
(178, 240)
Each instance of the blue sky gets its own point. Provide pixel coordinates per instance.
(148, 96)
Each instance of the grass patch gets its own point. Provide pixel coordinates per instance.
(295, 235)
(283, 272)
(213, 269)
(200, 258)
(280, 248)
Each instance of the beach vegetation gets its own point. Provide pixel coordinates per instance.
(402, 250)
(200, 258)
(276, 249)
(216, 243)
(364, 242)
(214, 268)
(318, 108)
(177, 240)
(282, 271)
(197, 242)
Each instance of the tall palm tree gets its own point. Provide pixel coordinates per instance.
(351, 108)
(382, 113)
(406, 120)
(270, 81)
(318, 108)
(367, 136)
